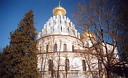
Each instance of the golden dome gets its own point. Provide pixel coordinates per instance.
(59, 11)
(87, 35)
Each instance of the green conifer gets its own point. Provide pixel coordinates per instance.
(20, 57)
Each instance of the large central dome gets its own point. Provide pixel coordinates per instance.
(59, 11)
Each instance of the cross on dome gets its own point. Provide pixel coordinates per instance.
(59, 3)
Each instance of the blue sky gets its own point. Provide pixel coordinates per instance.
(12, 11)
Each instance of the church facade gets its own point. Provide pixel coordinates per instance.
(63, 52)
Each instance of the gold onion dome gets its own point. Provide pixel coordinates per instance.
(59, 11)
(86, 35)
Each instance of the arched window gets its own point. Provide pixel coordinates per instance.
(53, 29)
(61, 28)
(70, 24)
(72, 48)
(47, 48)
(99, 65)
(84, 65)
(50, 63)
(65, 47)
(67, 65)
(55, 48)
(68, 30)
(40, 49)
(60, 21)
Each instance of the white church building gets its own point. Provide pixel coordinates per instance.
(65, 53)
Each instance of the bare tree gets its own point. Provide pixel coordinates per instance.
(122, 14)
(100, 18)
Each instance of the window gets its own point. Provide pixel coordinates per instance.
(60, 21)
(68, 30)
(47, 48)
(73, 48)
(99, 65)
(55, 48)
(65, 47)
(70, 24)
(50, 63)
(84, 65)
(40, 48)
(67, 65)
(61, 28)
(53, 29)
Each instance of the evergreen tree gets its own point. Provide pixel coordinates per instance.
(20, 57)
